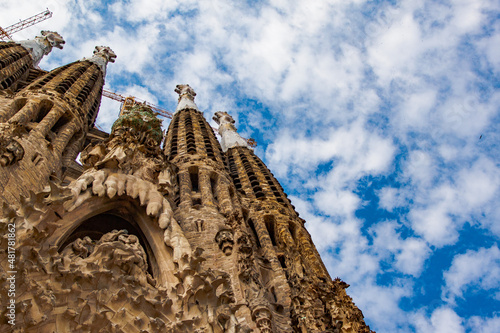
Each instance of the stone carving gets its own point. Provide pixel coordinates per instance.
(248, 272)
(255, 292)
(117, 246)
(42, 45)
(11, 150)
(133, 148)
(12, 153)
(103, 285)
(186, 97)
(225, 240)
(229, 136)
(200, 225)
(262, 316)
(102, 55)
(202, 254)
(167, 180)
(103, 182)
(185, 91)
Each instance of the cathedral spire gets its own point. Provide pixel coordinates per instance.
(229, 135)
(42, 45)
(102, 55)
(186, 97)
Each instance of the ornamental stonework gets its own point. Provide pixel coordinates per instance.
(157, 232)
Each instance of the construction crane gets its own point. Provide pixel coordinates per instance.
(130, 101)
(6, 33)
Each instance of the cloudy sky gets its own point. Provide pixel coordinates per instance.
(380, 119)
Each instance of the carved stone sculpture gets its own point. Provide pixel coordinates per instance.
(225, 240)
(191, 237)
(11, 150)
(229, 137)
(42, 45)
(102, 56)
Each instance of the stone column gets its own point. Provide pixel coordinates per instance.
(207, 197)
(222, 191)
(27, 113)
(49, 120)
(64, 136)
(185, 189)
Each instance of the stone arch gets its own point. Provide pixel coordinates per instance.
(123, 209)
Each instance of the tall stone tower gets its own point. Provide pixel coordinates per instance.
(43, 123)
(191, 236)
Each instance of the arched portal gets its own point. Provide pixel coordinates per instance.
(99, 225)
(100, 215)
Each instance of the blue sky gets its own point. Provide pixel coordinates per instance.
(379, 118)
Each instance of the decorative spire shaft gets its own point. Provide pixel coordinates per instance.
(229, 135)
(102, 55)
(186, 97)
(42, 45)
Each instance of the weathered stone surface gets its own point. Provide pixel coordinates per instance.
(187, 238)
(15, 62)
(43, 126)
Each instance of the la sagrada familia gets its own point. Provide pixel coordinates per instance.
(149, 232)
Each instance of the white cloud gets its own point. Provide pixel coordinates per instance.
(442, 320)
(413, 254)
(391, 198)
(414, 112)
(442, 210)
(445, 320)
(394, 53)
(352, 91)
(474, 269)
(421, 168)
(137, 10)
(381, 305)
(407, 255)
(435, 224)
(484, 325)
(359, 151)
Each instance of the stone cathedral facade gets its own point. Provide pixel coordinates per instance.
(153, 232)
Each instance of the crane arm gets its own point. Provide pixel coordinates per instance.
(11, 29)
(160, 111)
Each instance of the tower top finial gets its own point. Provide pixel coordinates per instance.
(102, 55)
(42, 45)
(186, 97)
(229, 135)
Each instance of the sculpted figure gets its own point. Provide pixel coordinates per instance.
(105, 52)
(102, 55)
(184, 90)
(225, 240)
(92, 154)
(262, 316)
(229, 136)
(186, 97)
(11, 150)
(42, 45)
(81, 248)
(12, 153)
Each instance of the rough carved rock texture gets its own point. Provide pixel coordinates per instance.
(186, 238)
(43, 125)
